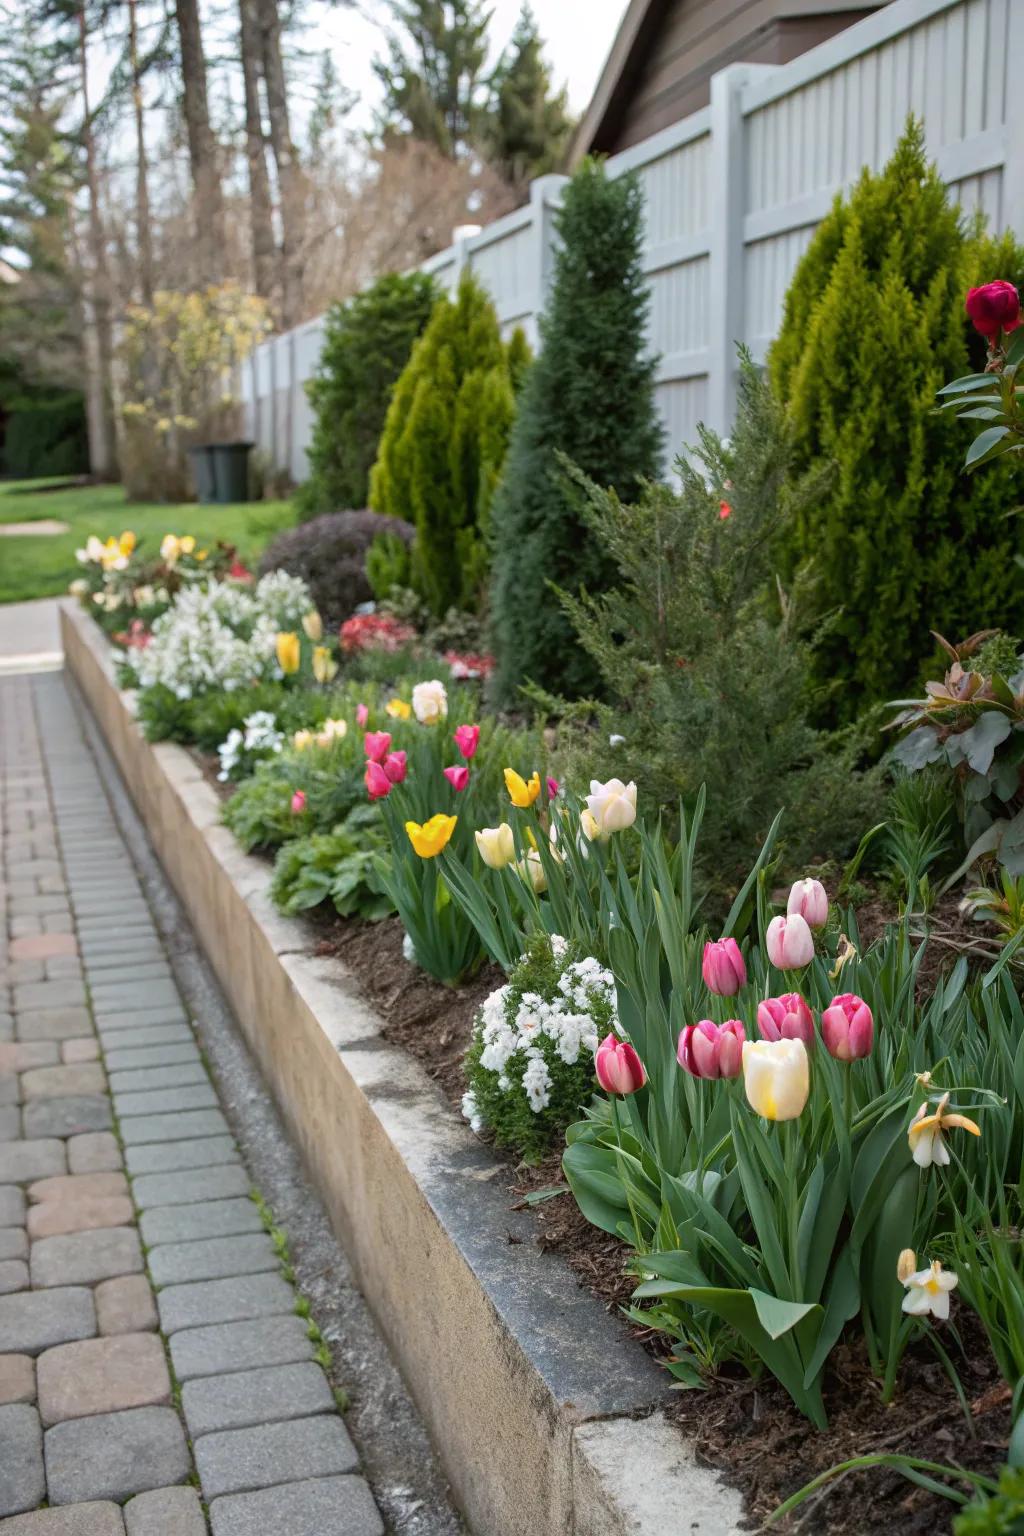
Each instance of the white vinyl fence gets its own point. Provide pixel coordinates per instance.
(733, 196)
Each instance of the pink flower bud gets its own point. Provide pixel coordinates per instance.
(457, 776)
(848, 1028)
(467, 739)
(786, 1018)
(618, 1067)
(552, 788)
(362, 715)
(298, 802)
(789, 942)
(377, 782)
(394, 766)
(723, 968)
(376, 745)
(808, 899)
(993, 307)
(712, 1050)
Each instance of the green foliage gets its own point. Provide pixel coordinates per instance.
(44, 434)
(998, 1514)
(588, 396)
(337, 866)
(163, 716)
(902, 542)
(388, 565)
(260, 813)
(432, 79)
(700, 657)
(444, 443)
(528, 126)
(367, 342)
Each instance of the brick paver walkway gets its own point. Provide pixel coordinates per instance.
(155, 1376)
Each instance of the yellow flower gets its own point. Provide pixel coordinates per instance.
(331, 730)
(496, 845)
(776, 1077)
(432, 836)
(201, 554)
(288, 652)
(302, 739)
(532, 871)
(398, 709)
(313, 624)
(927, 1290)
(520, 792)
(925, 1133)
(324, 665)
(188, 544)
(170, 549)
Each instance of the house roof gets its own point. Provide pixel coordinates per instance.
(637, 30)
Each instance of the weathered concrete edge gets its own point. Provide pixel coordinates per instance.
(531, 1392)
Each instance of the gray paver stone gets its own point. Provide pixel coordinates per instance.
(95, 1152)
(247, 1398)
(153, 1079)
(82, 1258)
(138, 1057)
(10, 1122)
(133, 1029)
(72, 1520)
(113, 1455)
(22, 1484)
(12, 1206)
(14, 1242)
(118, 996)
(69, 1116)
(9, 1093)
(169, 1157)
(137, 1130)
(209, 1302)
(166, 1189)
(239, 1460)
(54, 1024)
(167, 1101)
(13, 1276)
(23, 1161)
(189, 1223)
(212, 1259)
(239, 1346)
(36, 1320)
(165, 1512)
(48, 994)
(342, 1504)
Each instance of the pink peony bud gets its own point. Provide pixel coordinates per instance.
(362, 715)
(786, 1018)
(618, 1067)
(712, 1050)
(552, 788)
(394, 766)
(848, 1028)
(808, 898)
(789, 942)
(298, 802)
(457, 776)
(377, 745)
(993, 307)
(377, 782)
(467, 739)
(723, 968)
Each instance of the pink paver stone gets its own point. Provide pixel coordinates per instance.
(17, 1379)
(74, 1052)
(78, 1186)
(43, 946)
(53, 1218)
(101, 1376)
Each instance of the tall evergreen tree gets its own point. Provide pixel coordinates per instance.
(432, 78)
(905, 543)
(527, 127)
(590, 396)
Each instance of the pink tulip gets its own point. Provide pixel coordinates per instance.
(376, 745)
(298, 802)
(789, 942)
(467, 739)
(552, 788)
(723, 967)
(362, 715)
(377, 782)
(618, 1067)
(808, 899)
(712, 1050)
(394, 766)
(786, 1018)
(457, 776)
(848, 1028)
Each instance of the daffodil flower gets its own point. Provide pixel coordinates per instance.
(928, 1290)
(398, 709)
(428, 839)
(925, 1133)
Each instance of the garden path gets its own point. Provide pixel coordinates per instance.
(155, 1370)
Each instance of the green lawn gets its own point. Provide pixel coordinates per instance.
(42, 566)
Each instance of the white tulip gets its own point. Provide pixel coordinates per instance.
(612, 807)
(430, 702)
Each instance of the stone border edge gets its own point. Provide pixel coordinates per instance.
(547, 1419)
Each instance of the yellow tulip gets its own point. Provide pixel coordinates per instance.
(496, 846)
(188, 544)
(776, 1077)
(432, 836)
(520, 792)
(398, 709)
(127, 542)
(288, 651)
(302, 739)
(313, 624)
(324, 665)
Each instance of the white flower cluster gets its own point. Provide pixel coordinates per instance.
(221, 636)
(259, 737)
(525, 1036)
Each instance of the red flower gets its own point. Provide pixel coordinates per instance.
(378, 785)
(724, 510)
(394, 766)
(375, 632)
(376, 745)
(457, 776)
(993, 307)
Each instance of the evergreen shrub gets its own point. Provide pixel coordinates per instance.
(45, 435)
(330, 554)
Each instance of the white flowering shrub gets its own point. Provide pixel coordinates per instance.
(531, 1063)
(222, 636)
(242, 748)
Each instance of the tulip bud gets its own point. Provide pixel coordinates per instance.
(618, 1067)
(789, 942)
(467, 739)
(808, 899)
(906, 1265)
(457, 776)
(376, 745)
(776, 1077)
(394, 766)
(362, 715)
(532, 871)
(786, 1018)
(377, 783)
(723, 968)
(288, 654)
(993, 307)
(298, 802)
(848, 1028)
(712, 1050)
(552, 788)
(496, 846)
(313, 625)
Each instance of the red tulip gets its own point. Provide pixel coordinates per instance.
(712, 1050)
(552, 788)
(467, 739)
(457, 776)
(786, 1018)
(993, 307)
(723, 968)
(618, 1067)
(376, 745)
(298, 802)
(848, 1028)
(394, 766)
(377, 782)
(362, 715)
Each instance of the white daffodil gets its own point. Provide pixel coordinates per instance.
(926, 1130)
(928, 1291)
